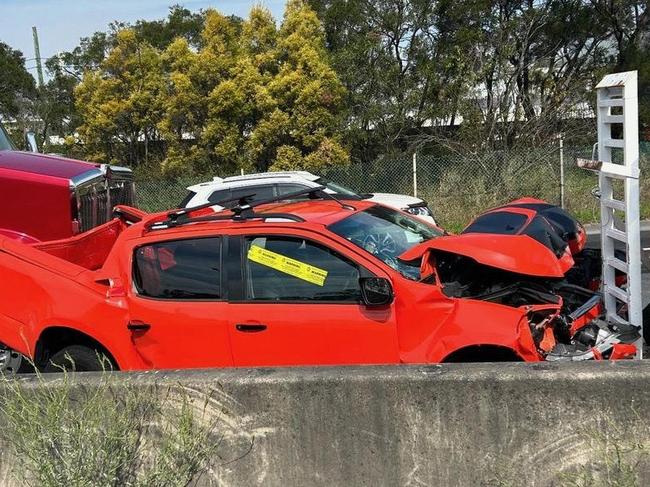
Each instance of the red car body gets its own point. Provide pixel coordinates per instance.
(48, 197)
(89, 290)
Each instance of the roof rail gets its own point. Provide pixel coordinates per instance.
(219, 217)
(244, 210)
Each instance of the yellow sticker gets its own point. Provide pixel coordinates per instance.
(287, 265)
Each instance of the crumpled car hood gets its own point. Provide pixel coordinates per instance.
(520, 254)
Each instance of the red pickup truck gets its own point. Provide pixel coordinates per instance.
(303, 283)
(46, 197)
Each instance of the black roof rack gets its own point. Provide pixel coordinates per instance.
(244, 210)
(220, 217)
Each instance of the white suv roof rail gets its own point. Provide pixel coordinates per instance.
(270, 175)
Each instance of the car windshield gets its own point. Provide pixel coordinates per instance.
(5, 141)
(386, 234)
(339, 189)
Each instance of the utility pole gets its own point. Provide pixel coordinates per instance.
(37, 54)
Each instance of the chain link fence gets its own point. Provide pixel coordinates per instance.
(456, 186)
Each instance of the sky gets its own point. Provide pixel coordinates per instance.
(61, 23)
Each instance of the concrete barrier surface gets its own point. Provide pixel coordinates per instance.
(457, 424)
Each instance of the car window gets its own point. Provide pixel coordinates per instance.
(255, 193)
(541, 230)
(5, 141)
(386, 234)
(291, 188)
(219, 196)
(187, 199)
(180, 269)
(501, 222)
(295, 269)
(337, 188)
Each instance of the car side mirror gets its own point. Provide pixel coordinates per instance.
(30, 141)
(376, 291)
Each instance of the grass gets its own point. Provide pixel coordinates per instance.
(617, 456)
(609, 454)
(98, 432)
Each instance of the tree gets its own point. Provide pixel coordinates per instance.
(16, 82)
(628, 22)
(251, 96)
(189, 128)
(485, 74)
(180, 23)
(120, 102)
(308, 119)
(400, 70)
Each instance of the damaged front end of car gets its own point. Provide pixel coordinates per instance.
(566, 321)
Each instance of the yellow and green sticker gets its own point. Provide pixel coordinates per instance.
(287, 265)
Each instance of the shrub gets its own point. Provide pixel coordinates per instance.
(98, 433)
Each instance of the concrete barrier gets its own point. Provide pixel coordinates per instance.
(457, 424)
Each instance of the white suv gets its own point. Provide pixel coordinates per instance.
(272, 184)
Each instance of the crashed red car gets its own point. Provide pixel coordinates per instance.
(311, 282)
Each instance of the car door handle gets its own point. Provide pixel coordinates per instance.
(138, 326)
(250, 327)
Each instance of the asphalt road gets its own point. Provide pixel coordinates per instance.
(593, 240)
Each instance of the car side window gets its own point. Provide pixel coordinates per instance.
(179, 269)
(290, 188)
(219, 196)
(280, 268)
(256, 193)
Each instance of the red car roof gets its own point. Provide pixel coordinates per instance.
(43, 164)
(320, 212)
(324, 212)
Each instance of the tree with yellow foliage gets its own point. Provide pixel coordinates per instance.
(249, 96)
(120, 103)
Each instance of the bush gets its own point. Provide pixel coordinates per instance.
(94, 433)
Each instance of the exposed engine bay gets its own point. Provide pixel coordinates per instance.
(566, 319)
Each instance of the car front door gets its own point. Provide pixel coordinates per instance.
(300, 304)
(176, 305)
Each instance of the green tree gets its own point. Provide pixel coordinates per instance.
(252, 95)
(180, 22)
(509, 72)
(190, 130)
(304, 130)
(240, 102)
(628, 23)
(16, 82)
(120, 102)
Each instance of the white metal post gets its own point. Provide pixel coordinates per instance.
(415, 173)
(617, 105)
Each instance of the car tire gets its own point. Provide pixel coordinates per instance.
(78, 358)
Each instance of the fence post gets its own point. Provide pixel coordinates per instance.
(560, 136)
(415, 173)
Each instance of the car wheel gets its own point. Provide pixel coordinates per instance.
(78, 358)
(12, 362)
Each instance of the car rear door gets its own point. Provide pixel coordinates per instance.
(176, 305)
(299, 303)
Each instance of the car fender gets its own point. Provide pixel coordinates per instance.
(119, 354)
(15, 335)
(480, 323)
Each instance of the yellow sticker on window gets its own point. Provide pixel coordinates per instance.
(287, 265)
